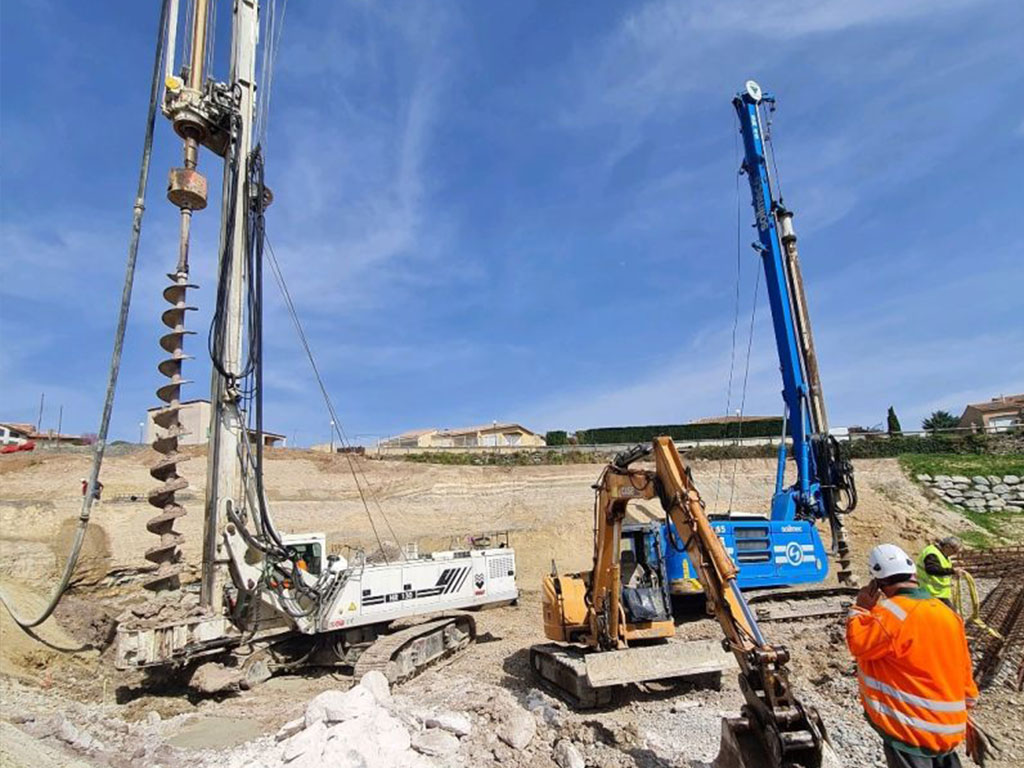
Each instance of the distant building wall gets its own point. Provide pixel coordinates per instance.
(998, 414)
(494, 435)
(194, 418)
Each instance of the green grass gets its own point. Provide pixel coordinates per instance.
(995, 526)
(968, 464)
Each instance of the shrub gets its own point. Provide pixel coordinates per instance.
(556, 437)
(770, 427)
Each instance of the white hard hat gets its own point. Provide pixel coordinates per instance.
(888, 560)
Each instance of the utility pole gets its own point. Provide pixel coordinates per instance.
(39, 421)
(224, 478)
(60, 422)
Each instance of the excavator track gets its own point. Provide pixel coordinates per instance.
(563, 671)
(166, 555)
(588, 679)
(403, 654)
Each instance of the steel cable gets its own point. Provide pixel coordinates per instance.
(336, 422)
(115, 363)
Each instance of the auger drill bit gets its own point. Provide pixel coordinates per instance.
(187, 189)
(167, 555)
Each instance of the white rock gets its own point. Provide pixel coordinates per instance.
(377, 684)
(1001, 488)
(66, 731)
(943, 479)
(1011, 479)
(994, 480)
(954, 493)
(972, 494)
(378, 739)
(979, 480)
(435, 742)
(924, 478)
(290, 728)
(567, 756)
(338, 706)
(960, 479)
(517, 728)
(152, 717)
(307, 744)
(453, 722)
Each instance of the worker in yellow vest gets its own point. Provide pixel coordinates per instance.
(935, 570)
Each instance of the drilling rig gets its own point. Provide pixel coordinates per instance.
(785, 549)
(263, 593)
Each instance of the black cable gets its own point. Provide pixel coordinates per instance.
(276, 269)
(122, 321)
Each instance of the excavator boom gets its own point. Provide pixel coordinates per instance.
(597, 611)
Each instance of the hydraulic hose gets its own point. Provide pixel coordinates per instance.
(115, 363)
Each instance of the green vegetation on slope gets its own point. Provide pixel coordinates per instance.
(995, 527)
(968, 464)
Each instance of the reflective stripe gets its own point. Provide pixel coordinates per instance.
(914, 722)
(932, 704)
(893, 608)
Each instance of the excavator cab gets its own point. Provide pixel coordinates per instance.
(645, 594)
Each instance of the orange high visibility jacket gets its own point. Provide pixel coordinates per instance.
(914, 670)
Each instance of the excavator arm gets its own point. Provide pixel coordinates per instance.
(774, 728)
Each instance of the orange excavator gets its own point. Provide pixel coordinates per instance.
(613, 628)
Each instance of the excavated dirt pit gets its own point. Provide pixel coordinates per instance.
(62, 702)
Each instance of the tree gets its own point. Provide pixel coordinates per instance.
(556, 437)
(940, 420)
(893, 421)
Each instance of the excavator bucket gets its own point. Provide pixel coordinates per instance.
(745, 745)
(588, 679)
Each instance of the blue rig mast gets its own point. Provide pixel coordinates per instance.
(824, 487)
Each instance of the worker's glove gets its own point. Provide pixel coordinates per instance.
(979, 743)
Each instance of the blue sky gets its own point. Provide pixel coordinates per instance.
(527, 211)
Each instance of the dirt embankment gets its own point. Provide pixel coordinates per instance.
(548, 509)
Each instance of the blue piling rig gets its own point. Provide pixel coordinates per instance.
(824, 488)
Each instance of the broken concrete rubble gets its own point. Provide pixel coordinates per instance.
(452, 722)
(435, 742)
(516, 728)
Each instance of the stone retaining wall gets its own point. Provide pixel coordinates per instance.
(980, 493)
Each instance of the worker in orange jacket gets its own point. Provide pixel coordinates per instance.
(913, 665)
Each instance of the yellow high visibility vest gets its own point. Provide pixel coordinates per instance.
(937, 586)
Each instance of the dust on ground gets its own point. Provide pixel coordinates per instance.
(113, 719)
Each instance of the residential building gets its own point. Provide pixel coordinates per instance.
(998, 414)
(194, 418)
(497, 434)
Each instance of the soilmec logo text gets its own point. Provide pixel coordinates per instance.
(794, 553)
